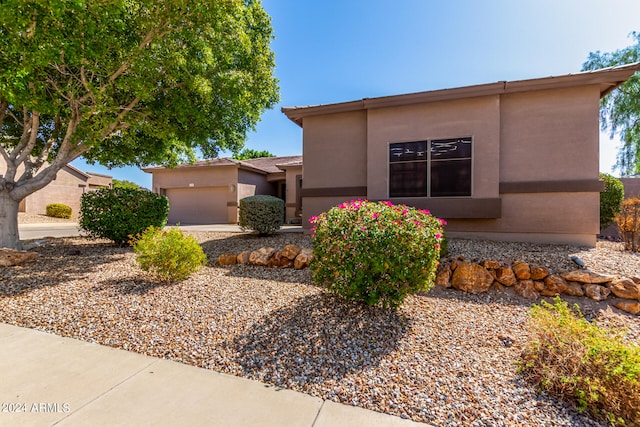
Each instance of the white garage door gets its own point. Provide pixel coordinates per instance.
(197, 205)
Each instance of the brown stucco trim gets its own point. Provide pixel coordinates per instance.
(443, 207)
(463, 208)
(581, 186)
(232, 204)
(335, 192)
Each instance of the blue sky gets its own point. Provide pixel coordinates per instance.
(341, 50)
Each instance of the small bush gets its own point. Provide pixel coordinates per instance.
(376, 252)
(610, 199)
(118, 213)
(582, 363)
(168, 255)
(263, 214)
(58, 210)
(628, 221)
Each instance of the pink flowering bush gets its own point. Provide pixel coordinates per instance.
(376, 252)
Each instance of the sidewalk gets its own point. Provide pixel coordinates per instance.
(51, 380)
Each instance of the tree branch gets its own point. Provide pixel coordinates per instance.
(155, 33)
(118, 122)
(34, 123)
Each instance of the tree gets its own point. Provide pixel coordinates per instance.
(620, 110)
(249, 153)
(611, 198)
(125, 82)
(118, 183)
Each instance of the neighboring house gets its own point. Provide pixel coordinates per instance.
(209, 191)
(67, 188)
(506, 161)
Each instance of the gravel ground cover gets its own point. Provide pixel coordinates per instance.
(444, 358)
(31, 218)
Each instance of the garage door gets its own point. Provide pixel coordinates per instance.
(197, 205)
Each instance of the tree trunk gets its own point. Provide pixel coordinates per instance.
(9, 237)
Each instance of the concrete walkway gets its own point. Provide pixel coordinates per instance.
(49, 380)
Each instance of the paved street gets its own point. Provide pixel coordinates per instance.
(40, 231)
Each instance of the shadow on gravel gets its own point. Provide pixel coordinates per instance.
(130, 286)
(238, 242)
(256, 272)
(319, 337)
(59, 261)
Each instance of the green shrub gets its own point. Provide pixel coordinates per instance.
(376, 252)
(263, 214)
(58, 210)
(118, 213)
(169, 255)
(610, 199)
(592, 367)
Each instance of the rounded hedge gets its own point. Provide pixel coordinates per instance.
(119, 213)
(263, 214)
(376, 252)
(58, 210)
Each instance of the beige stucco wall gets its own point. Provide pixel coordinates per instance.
(476, 117)
(548, 135)
(291, 174)
(202, 176)
(67, 189)
(198, 176)
(335, 150)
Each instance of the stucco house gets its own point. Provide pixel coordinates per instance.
(209, 191)
(512, 160)
(67, 188)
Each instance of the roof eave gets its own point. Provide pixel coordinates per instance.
(608, 79)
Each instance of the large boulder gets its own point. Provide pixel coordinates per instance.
(521, 270)
(303, 259)
(625, 288)
(526, 288)
(505, 276)
(539, 272)
(574, 289)
(629, 307)
(491, 263)
(274, 259)
(554, 285)
(596, 292)
(291, 251)
(261, 256)
(443, 276)
(243, 257)
(9, 257)
(585, 276)
(472, 278)
(227, 259)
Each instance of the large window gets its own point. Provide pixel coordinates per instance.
(432, 168)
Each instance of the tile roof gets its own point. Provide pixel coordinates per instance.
(262, 164)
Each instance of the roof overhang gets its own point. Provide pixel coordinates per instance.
(608, 79)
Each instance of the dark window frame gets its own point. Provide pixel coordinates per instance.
(430, 161)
